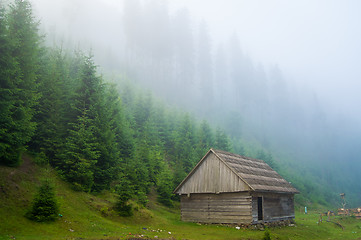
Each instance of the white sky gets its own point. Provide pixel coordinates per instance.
(315, 42)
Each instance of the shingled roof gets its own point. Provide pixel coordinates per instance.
(255, 173)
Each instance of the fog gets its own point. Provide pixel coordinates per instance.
(283, 73)
(315, 42)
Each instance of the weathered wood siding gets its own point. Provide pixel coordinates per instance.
(213, 176)
(276, 207)
(217, 208)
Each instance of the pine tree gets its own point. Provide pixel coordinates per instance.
(185, 143)
(20, 79)
(119, 123)
(79, 154)
(125, 193)
(50, 116)
(107, 165)
(8, 134)
(115, 145)
(165, 188)
(222, 141)
(205, 139)
(97, 140)
(45, 207)
(178, 176)
(80, 151)
(142, 112)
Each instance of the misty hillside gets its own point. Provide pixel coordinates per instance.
(95, 118)
(158, 46)
(57, 108)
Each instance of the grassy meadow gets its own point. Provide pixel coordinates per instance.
(87, 216)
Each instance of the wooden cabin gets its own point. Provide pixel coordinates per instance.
(228, 188)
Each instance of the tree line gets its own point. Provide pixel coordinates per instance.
(98, 136)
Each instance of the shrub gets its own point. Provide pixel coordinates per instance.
(124, 209)
(267, 235)
(142, 198)
(124, 195)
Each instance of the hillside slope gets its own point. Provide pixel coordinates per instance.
(83, 215)
(86, 216)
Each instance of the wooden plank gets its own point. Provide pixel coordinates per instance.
(243, 201)
(197, 205)
(237, 195)
(233, 208)
(219, 203)
(217, 208)
(244, 211)
(218, 220)
(215, 213)
(229, 200)
(230, 205)
(239, 213)
(278, 207)
(212, 175)
(212, 216)
(229, 197)
(227, 215)
(272, 194)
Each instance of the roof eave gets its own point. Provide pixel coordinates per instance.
(273, 191)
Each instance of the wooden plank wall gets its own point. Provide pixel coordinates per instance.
(276, 207)
(217, 208)
(212, 176)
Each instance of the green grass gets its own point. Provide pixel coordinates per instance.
(87, 216)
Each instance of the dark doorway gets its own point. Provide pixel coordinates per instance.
(260, 208)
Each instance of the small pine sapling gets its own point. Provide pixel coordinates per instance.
(124, 195)
(45, 207)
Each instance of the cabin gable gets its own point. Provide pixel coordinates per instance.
(212, 176)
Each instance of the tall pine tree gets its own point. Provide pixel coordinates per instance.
(50, 114)
(185, 143)
(80, 152)
(20, 51)
(109, 134)
(8, 148)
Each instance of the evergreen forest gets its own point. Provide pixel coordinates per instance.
(97, 135)
(128, 132)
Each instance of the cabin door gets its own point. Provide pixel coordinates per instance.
(260, 208)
